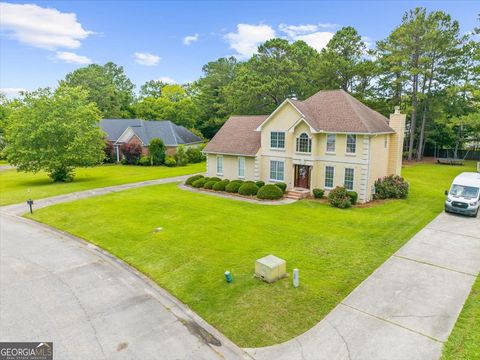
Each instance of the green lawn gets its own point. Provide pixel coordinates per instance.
(15, 186)
(464, 341)
(204, 235)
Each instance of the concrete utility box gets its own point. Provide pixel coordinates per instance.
(270, 268)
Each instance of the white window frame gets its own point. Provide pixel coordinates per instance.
(333, 176)
(241, 167)
(352, 180)
(334, 144)
(219, 164)
(277, 162)
(276, 147)
(308, 143)
(346, 144)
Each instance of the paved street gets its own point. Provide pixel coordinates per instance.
(92, 306)
(406, 309)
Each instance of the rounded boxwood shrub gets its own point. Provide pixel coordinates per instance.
(238, 181)
(318, 193)
(248, 188)
(270, 192)
(193, 178)
(170, 161)
(214, 179)
(339, 198)
(199, 183)
(391, 187)
(144, 161)
(353, 196)
(220, 185)
(209, 184)
(260, 183)
(233, 186)
(282, 186)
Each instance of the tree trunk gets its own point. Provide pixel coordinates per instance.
(413, 121)
(422, 134)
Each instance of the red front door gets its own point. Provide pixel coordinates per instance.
(302, 176)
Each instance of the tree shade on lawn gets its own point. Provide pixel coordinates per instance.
(16, 187)
(203, 236)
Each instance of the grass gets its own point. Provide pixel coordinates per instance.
(464, 341)
(203, 236)
(15, 186)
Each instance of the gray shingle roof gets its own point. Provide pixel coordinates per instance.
(170, 133)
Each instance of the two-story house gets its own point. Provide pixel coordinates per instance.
(330, 139)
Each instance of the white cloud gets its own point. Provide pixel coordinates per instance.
(309, 33)
(166, 80)
(187, 40)
(12, 92)
(147, 59)
(41, 27)
(72, 58)
(247, 38)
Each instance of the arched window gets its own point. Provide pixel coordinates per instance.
(304, 143)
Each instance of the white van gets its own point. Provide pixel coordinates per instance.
(464, 194)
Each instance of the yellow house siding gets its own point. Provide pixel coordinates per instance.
(230, 167)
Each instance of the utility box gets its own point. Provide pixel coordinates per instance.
(270, 268)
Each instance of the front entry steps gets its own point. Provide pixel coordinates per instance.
(298, 193)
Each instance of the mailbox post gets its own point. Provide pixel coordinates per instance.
(30, 204)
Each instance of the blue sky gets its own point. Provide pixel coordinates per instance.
(41, 41)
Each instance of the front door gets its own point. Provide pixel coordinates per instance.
(302, 176)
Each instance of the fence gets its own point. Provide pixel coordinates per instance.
(448, 153)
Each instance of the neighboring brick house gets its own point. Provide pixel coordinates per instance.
(129, 131)
(330, 139)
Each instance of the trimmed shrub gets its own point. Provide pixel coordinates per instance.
(170, 161)
(156, 150)
(181, 156)
(214, 178)
(248, 188)
(233, 187)
(193, 178)
(195, 155)
(318, 193)
(353, 196)
(220, 185)
(199, 183)
(270, 192)
(282, 186)
(339, 198)
(144, 161)
(238, 181)
(260, 183)
(391, 187)
(209, 184)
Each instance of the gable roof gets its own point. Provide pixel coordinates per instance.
(146, 130)
(237, 136)
(338, 111)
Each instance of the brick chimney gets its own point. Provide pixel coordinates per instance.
(395, 150)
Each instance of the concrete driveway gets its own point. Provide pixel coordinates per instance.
(92, 306)
(406, 309)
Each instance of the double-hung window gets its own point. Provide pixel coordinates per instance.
(241, 167)
(329, 173)
(348, 182)
(277, 140)
(304, 143)
(277, 169)
(331, 143)
(219, 164)
(351, 144)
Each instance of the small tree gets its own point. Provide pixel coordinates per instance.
(195, 155)
(54, 131)
(181, 156)
(156, 149)
(132, 152)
